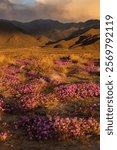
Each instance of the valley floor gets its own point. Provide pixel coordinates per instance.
(49, 99)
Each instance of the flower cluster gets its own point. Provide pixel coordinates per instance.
(91, 69)
(43, 128)
(24, 62)
(74, 127)
(36, 127)
(77, 90)
(67, 127)
(30, 102)
(28, 88)
(63, 61)
(25, 103)
(10, 79)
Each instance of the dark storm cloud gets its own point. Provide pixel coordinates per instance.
(64, 10)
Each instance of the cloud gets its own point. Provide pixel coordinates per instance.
(41, 1)
(82, 9)
(63, 10)
(23, 2)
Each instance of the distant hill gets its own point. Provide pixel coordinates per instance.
(90, 37)
(42, 40)
(49, 33)
(12, 36)
(55, 30)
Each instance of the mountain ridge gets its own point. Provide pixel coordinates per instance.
(43, 32)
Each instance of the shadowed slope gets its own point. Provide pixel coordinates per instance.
(90, 38)
(12, 36)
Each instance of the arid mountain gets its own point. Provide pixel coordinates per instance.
(89, 38)
(42, 40)
(14, 37)
(55, 30)
(49, 33)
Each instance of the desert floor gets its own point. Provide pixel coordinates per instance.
(31, 83)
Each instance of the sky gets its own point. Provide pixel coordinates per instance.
(62, 10)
